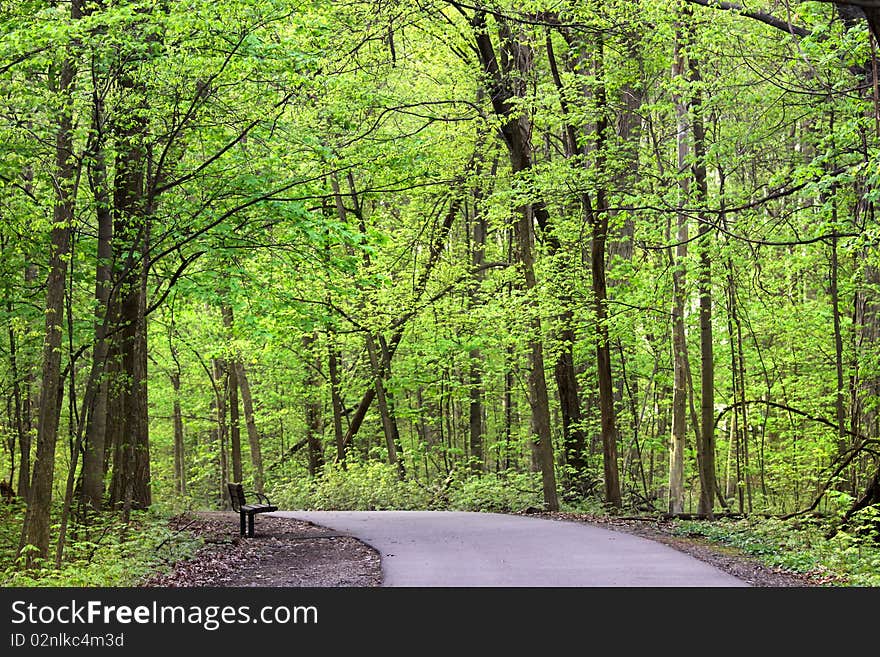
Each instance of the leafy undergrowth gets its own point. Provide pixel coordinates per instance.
(374, 486)
(107, 552)
(810, 546)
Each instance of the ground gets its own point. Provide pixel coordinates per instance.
(283, 552)
(286, 552)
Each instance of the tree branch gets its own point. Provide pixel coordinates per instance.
(759, 16)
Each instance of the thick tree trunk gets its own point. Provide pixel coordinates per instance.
(36, 525)
(131, 468)
(598, 219)
(603, 357)
(505, 86)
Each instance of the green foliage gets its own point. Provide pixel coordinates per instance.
(500, 492)
(374, 485)
(307, 155)
(106, 552)
(361, 486)
(811, 546)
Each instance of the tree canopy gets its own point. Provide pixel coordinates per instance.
(619, 254)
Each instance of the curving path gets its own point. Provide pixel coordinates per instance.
(448, 548)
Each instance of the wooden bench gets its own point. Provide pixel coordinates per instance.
(245, 510)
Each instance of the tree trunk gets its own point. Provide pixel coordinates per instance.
(475, 357)
(131, 469)
(36, 524)
(179, 450)
(250, 423)
(92, 492)
(505, 86)
(840, 396)
(24, 438)
(336, 400)
(679, 338)
(598, 219)
(220, 381)
(603, 357)
(707, 354)
(389, 426)
(312, 408)
(234, 424)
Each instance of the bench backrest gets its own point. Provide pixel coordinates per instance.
(236, 495)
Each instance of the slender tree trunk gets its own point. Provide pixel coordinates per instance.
(679, 338)
(179, 451)
(507, 400)
(389, 426)
(92, 493)
(36, 525)
(707, 354)
(221, 392)
(336, 400)
(250, 423)
(475, 380)
(840, 395)
(24, 438)
(735, 484)
(234, 424)
(312, 409)
(597, 216)
(573, 436)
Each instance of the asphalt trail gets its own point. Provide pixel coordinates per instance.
(461, 549)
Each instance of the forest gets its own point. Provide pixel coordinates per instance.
(614, 256)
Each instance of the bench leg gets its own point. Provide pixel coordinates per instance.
(241, 518)
(251, 525)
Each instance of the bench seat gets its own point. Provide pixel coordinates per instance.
(247, 511)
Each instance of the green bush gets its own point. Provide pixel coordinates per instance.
(375, 485)
(502, 492)
(361, 487)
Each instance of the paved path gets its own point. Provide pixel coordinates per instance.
(446, 548)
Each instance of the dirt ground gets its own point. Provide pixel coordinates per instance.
(283, 552)
(287, 552)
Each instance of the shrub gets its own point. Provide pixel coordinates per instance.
(368, 486)
(502, 492)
